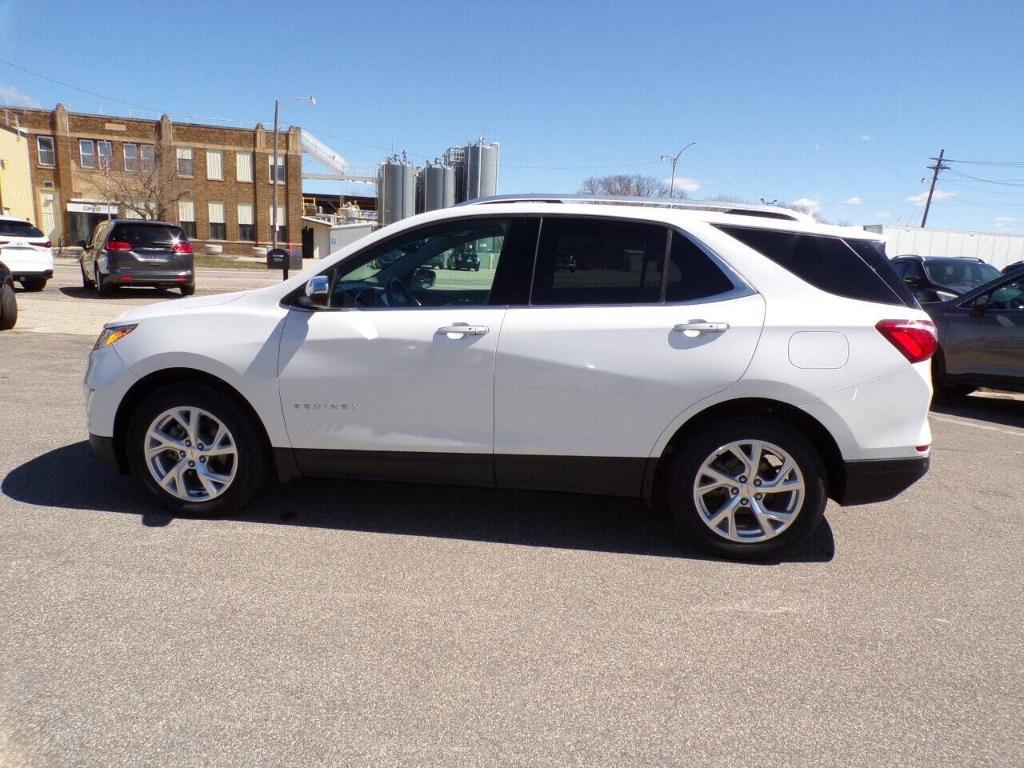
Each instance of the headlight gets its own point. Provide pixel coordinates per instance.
(113, 334)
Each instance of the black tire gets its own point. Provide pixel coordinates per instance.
(102, 288)
(8, 306)
(254, 463)
(33, 284)
(188, 289)
(86, 280)
(690, 457)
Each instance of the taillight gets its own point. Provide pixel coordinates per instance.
(118, 245)
(45, 244)
(915, 339)
(181, 248)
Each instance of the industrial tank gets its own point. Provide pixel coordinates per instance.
(396, 190)
(438, 187)
(481, 169)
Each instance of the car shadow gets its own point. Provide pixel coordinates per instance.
(80, 292)
(997, 410)
(71, 477)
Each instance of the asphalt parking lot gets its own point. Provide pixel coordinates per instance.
(344, 623)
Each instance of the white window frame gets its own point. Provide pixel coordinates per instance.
(246, 164)
(91, 154)
(219, 165)
(131, 164)
(249, 214)
(185, 153)
(147, 163)
(210, 208)
(52, 151)
(282, 172)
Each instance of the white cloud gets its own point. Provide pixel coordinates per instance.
(921, 197)
(1005, 221)
(883, 215)
(683, 184)
(867, 137)
(11, 95)
(805, 202)
(854, 201)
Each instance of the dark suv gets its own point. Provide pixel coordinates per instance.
(941, 278)
(128, 252)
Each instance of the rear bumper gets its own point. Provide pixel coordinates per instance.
(141, 277)
(867, 482)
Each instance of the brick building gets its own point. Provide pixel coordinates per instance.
(224, 174)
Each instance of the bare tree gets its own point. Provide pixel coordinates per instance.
(152, 191)
(627, 185)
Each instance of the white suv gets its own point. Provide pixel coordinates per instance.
(26, 252)
(743, 364)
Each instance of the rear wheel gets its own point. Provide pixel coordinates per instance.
(101, 288)
(944, 390)
(749, 488)
(33, 284)
(8, 306)
(196, 450)
(188, 289)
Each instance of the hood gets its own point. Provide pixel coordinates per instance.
(177, 306)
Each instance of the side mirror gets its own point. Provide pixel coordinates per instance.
(912, 281)
(316, 294)
(424, 278)
(980, 305)
(82, 244)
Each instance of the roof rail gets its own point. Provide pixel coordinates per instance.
(739, 209)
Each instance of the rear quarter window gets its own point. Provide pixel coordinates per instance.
(19, 229)
(851, 269)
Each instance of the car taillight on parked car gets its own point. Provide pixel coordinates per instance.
(181, 248)
(45, 244)
(915, 339)
(118, 245)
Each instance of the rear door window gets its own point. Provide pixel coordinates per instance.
(828, 263)
(598, 261)
(149, 235)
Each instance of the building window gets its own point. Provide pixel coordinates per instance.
(105, 150)
(246, 230)
(280, 169)
(243, 166)
(87, 153)
(184, 161)
(47, 152)
(217, 229)
(282, 224)
(187, 216)
(215, 165)
(131, 157)
(147, 152)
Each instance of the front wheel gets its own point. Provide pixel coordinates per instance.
(197, 450)
(749, 488)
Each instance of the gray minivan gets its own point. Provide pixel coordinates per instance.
(129, 252)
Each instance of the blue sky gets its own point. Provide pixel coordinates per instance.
(839, 104)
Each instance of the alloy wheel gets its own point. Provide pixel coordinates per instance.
(190, 454)
(749, 491)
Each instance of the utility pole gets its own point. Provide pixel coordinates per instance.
(931, 190)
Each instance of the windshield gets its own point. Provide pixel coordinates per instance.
(18, 229)
(960, 273)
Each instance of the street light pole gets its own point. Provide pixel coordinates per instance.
(273, 171)
(674, 159)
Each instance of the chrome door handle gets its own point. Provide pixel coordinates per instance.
(701, 326)
(463, 329)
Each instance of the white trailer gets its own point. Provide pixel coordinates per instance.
(996, 249)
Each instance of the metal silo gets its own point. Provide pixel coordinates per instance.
(481, 169)
(396, 190)
(438, 187)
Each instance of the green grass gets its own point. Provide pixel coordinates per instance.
(226, 262)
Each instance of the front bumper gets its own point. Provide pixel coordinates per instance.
(867, 482)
